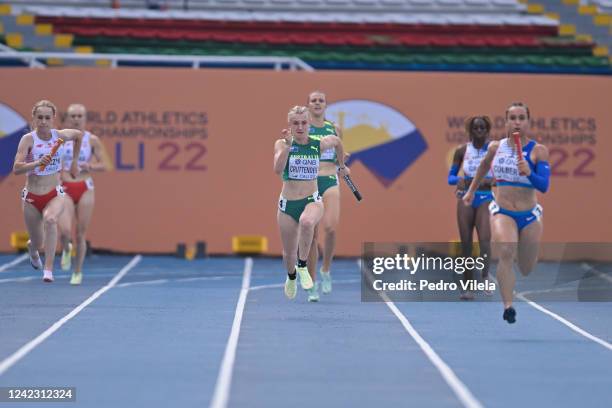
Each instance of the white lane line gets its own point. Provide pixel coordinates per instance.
(582, 332)
(271, 286)
(566, 322)
(160, 281)
(542, 291)
(602, 275)
(224, 380)
(123, 285)
(459, 388)
(201, 278)
(14, 262)
(31, 345)
(149, 282)
(280, 285)
(24, 279)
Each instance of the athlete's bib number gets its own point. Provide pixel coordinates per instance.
(329, 154)
(303, 168)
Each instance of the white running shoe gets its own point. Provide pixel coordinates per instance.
(34, 260)
(47, 276)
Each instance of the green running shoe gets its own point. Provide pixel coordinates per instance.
(326, 283)
(313, 293)
(66, 258)
(290, 288)
(76, 278)
(305, 279)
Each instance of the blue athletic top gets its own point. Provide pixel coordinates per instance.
(505, 168)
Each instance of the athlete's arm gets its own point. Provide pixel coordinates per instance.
(281, 151)
(453, 179)
(21, 164)
(334, 141)
(341, 136)
(72, 134)
(338, 131)
(103, 162)
(77, 137)
(540, 178)
(330, 141)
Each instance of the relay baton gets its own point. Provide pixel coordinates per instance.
(519, 145)
(54, 149)
(517, 141)
(353, 187)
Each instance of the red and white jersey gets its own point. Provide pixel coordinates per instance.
(42, 148)
(84, 154)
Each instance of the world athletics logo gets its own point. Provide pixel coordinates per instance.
(12, 127)
(383, 139)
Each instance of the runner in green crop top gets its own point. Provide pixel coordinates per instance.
(303, 162)
(296, 160)
(328, 188)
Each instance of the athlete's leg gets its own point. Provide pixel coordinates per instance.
(313, 255)
(51, 214)
(483, 228)
(505, 236)
(289, 237)
(308, 220)
(33, 222)
(84, 212)
(65, 222)
(65, 231)
(465, 221)
(529, 246)
(331, 218)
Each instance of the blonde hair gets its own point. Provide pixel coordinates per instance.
(297, 110)
(76, 105)
(44, 104)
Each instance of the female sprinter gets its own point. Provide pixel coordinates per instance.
(328, 189)
(43, 196)
(468, 157)
(296, 159)
(80, 190)
(516, 216)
